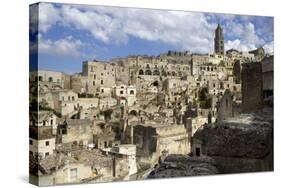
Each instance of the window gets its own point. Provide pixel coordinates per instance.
(121, 92)
(62, 98)
(95, 76)
(51, 122)
(68, 98)
(73, 174)
(44, 123)
(94, 83)
(40, 78)
(101, 82)
(102, 90)
(46, 154)
(197, 152)
(132, 92)
(101, 74)
(30, 142)
(73, 98)
(47, 143)
(63, 131)
(50, 79)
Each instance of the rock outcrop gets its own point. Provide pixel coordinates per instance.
(184, 165)
(240, 144)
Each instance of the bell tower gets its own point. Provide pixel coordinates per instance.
(219, 41)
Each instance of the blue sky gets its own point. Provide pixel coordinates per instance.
(69, 34)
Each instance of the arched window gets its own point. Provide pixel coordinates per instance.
(148, 72)
(141, 72)
(50, 79)
(156, 72)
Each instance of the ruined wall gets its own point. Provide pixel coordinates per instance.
(251, 86)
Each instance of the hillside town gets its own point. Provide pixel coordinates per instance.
(142, 117)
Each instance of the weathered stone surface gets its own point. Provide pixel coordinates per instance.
(240, 144)
(184, 165)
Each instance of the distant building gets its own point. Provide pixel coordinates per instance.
(219, 41)
(42, 142)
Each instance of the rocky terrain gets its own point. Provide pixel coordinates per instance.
(184, 165)
(240, 144)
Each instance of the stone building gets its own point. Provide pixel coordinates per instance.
(259, 53)
(65, 101)
(99, 74)
(44, 119)
(152, 139)
(86, 103)
(88, 166)
(50, 79)
(41, 142)
(129, 151)
(234, 54)
(126, 92)
(78, 132)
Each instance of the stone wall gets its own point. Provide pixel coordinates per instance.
(251, 86)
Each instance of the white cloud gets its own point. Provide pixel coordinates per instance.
(48, 16)
(62, 47)
(269, 47)
(245, 37)
(183, 30)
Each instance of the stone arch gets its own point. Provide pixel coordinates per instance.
(57, 87)
(133, 112)
(156, 72)
(148, 72)
(141, 72)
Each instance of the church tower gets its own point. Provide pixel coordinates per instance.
(219, 41)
